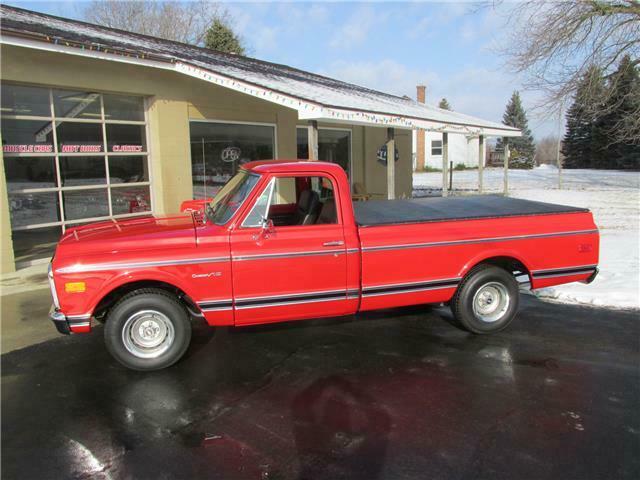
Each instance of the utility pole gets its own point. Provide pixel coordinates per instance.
(558, 161)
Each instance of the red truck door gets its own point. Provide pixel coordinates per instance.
(295, 267)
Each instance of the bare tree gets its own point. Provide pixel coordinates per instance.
(555, 43)
(546, 151)
(185, 22)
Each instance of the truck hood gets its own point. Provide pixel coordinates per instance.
(117, 236)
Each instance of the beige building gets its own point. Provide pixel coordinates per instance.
(100, 124)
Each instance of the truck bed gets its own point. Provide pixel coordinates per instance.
(438, 209)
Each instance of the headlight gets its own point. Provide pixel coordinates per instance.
(52, 286)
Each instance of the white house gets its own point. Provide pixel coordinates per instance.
(463, 147)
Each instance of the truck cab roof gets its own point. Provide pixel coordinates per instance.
(292, 166)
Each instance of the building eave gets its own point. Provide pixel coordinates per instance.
(307, 110)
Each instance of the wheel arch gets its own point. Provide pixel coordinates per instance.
(123, 286)
(508, 260)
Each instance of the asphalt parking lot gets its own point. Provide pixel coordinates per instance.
(400, 394)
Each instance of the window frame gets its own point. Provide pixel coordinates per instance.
(271, 186)
(232, 122)
(436, 148)
(55, 121)
(271, 183)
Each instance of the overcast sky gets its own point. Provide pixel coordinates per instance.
(452, 47)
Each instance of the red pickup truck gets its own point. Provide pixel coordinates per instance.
(283, 241)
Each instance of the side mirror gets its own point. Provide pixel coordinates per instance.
(267, 227)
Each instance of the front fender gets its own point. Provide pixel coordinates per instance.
(125, 278)
(101, 284)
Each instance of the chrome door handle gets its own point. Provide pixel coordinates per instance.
(336, 243)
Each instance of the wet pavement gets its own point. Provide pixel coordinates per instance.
(398, 394)
(22, 317)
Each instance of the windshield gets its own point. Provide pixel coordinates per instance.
(231, 196)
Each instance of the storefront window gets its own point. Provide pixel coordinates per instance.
(26, 136)
(334, 145)
(29, 172)
(218, 149)
(68, 104)
(97, 168)
(23, 100)
(128, 169)
(120, 107)
(76, 171)
(80, 204)
(130, 200)
(123, 138)
(74, 137)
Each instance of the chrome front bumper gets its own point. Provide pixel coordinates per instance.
(59, 320)
(69, 324)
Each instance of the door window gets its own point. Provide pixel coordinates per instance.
(295, 201)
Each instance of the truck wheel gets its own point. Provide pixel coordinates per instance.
(148, 329)
(486, 300)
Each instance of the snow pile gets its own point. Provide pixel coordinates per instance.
(614, 199)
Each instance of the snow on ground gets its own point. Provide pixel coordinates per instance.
(612, 196)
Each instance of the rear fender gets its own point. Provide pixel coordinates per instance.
(491, 254)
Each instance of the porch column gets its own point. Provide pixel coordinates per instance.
(445, 163)
(391, 164)
(481, 152)
(506, 166)
(313, 139)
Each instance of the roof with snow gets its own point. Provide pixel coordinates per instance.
(315, 97)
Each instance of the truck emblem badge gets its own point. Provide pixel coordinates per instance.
(206, 275)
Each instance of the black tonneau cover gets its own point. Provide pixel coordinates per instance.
(438, 209)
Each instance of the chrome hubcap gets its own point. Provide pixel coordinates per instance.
(491, 302)
(148, 334)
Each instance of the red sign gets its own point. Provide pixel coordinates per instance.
(127, 148)
(27, 148)
(80, 148)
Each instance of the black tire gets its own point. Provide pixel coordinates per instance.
(491, 284)
(152, 308)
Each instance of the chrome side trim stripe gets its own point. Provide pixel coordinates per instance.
(290, 299)
(97, 267)
(394, 289)
(273, 300)
(282, 303)
(563, 272)
(288, 255)
(475, 240)
(80, 324)
(215, 305)
(304, 294)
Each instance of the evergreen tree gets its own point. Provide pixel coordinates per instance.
(221, 37)
(623, 107)
(521, 149)
(582, 144)
(444, 104)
